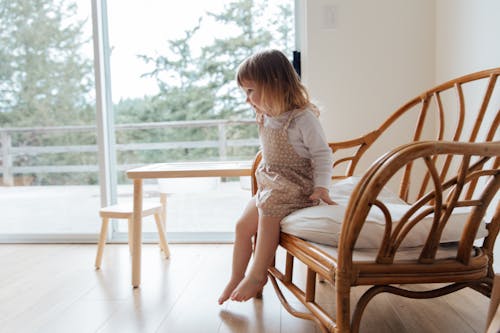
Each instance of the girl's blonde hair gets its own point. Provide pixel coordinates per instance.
(279, 84)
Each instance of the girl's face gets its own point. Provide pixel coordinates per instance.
(253, 96)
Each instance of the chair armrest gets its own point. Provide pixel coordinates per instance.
(358, 146)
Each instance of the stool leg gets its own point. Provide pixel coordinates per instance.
(130, 238)
(163, 215)
(102, 242)
(161, 233)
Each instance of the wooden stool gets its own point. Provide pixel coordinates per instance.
(126, 211)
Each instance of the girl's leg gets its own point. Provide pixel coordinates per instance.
(265, 249)
(246, 227)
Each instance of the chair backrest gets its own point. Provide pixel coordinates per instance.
(466, 109)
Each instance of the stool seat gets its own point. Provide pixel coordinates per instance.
(126, 210)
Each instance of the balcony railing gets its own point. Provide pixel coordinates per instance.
(10, 154)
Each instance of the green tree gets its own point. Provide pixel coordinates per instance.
(44, 78)
(201, 86)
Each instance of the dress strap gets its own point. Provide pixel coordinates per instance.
(290, 118)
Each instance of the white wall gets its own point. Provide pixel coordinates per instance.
(467, 37)
(382, 53)
(379, 54)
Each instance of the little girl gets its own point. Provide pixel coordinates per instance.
(295, 171)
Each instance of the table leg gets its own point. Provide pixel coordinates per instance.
(137, 234)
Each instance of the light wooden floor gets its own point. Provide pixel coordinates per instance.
(54, 288)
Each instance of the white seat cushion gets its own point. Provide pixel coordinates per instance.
(322, 224)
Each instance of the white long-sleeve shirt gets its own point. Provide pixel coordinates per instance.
(308, 139)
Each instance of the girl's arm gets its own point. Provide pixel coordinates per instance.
(314, 140)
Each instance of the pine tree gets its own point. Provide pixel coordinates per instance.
(202, 86)
(44, 78)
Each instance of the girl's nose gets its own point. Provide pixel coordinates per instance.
(247, 100)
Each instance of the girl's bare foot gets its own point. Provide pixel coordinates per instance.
(249, 287)
(232, 284)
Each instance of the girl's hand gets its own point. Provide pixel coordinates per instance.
(321, 193)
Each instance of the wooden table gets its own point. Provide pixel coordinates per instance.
(173, 170)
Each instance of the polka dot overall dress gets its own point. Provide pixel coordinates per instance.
(284, 178)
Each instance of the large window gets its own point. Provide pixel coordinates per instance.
(167, 69)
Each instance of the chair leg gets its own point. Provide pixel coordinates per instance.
(161, 233)
(494, 301)
(130, 238)
(102, 242)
